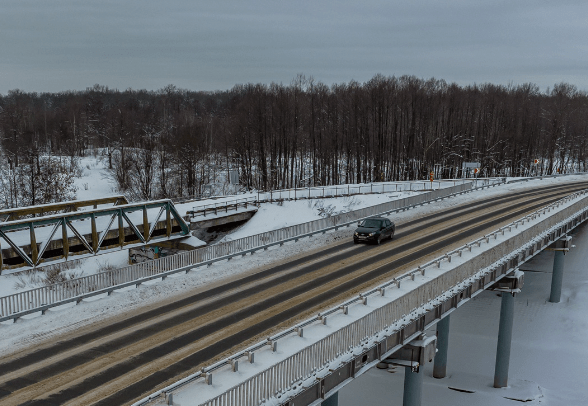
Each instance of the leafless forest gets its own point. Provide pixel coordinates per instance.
(171, 142)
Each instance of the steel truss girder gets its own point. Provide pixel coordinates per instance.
(41, 210)
(93, 246)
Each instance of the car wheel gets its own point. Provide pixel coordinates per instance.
(379, 240)
(355, 241)
(392, 235)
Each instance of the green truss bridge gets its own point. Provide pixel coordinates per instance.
(36, 236)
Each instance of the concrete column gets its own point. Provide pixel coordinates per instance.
(440, 366)
(413, 386)
(504, 340)
(557, 277)
(332, 400)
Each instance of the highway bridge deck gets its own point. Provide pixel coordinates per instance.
(123, 358)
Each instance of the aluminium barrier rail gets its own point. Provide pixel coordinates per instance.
(373, 186)
(276, 380)
(222, 206)
(75, 290)
(526, 179)
(321, 193)
(337, 191)
(334, 190)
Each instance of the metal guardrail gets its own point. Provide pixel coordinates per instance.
(336, 191)
(304, 190)
(222, 206)
(279, 378)
(545, 176)
(321, 193)
(43, 298)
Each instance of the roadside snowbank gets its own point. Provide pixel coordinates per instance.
(35, 328)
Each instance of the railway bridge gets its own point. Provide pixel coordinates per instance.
(46, 234)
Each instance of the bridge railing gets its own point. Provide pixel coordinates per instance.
(52, 208)
(42, 298)
(304, 364)
(225, 206)
(320, 192)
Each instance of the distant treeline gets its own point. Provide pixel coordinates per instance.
(172, 141)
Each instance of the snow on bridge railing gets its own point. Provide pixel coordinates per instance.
(321, 192)
(75, 290)
(324, 192)
(52, 208)
(559, 175)
(227, 205)
(305, 366)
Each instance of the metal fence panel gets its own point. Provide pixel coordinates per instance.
(55, 293)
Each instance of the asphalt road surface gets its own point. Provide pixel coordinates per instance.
(122, 360)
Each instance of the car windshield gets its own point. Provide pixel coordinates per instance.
(371, 223)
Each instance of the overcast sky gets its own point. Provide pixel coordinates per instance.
(212, 45)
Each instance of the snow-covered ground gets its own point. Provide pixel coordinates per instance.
(275, 216)
(286, 214)
(549, 343)
(95, 181)
(549, 354)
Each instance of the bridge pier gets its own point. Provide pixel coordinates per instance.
(504, 340)
(413, 358)
(561, 247)
(440, 365)
(332, 400)
(413, 386)
(508, 286)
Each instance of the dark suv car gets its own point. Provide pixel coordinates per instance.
(374, 229)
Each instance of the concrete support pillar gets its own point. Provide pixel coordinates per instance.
(504, 340)
(440, 366)
(557, 277)
(413, 386)
(332, 400)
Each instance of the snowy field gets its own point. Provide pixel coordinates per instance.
(549, 348)
(94, 182)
